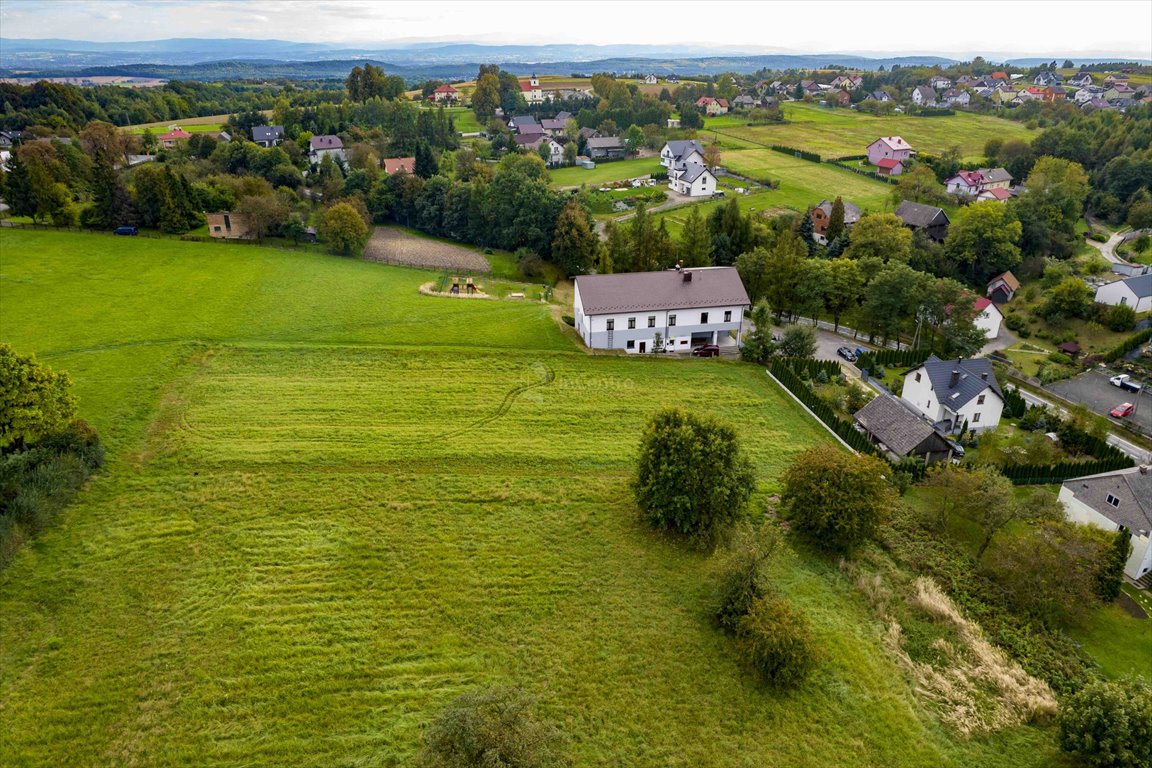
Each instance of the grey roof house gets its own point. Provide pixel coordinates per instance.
(895, 428)
(267, 135)
(932, 220)
(955, 394)
(605, 147)
(1115, 500)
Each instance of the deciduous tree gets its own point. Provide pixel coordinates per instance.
(343, 230)
(34, 400)
(836, 499)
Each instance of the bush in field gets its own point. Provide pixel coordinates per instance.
(691, 477)
(1108, 724)
(1119, 318)
(776, 641)
(743, 577)
(836, 499)
(493, 728)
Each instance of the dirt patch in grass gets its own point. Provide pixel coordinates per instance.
(391, 245)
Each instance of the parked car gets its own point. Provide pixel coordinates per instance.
(1124, 381)
(847, 354)
(126, 231)
(1122, 410)
(707, 350)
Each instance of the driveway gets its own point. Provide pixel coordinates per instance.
(1093, 390)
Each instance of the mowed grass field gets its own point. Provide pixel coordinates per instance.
(839, 132)
(614, 170)
(333, 504)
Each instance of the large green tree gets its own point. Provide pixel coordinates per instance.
(574, 243)
(984, 241)
(695, 247)
(844, 288)
(1051, 207)
(882, 236)
(670, 488)
(34, 400)
(1108, 724)
(343, 230)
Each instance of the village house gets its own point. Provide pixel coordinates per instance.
(711, 106)
(743, 101)
(891, 147)
(881, 96)
(398, 164)
(1114, 79)
(923, 96)
(605, 148)
(940, 83)
(1047, 78)
(524, 124)
(445, 94)
(229, 226)
(839, 98)
(988, 317)
(1002, 288)
(321, 146)
(972, 183)
(173, 135)
(651, 80)
(822, 215)
(953, 97)
(955, 394)
(995, 194)
(692, 179)
(681, 152)
(267, 135)
(8, 139)
(1080, 79)
(1120, 500)
(847, 82)
(932, 220)
(1087, 93)
(888, 166)
(673, 310)
(1055, 93)
(1135, 292)
(901, 432)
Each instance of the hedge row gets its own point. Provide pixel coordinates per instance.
(1039, 474)
(846, 158)
(892, 358)
(786, 369)
(869, 174)
(1128, 345)
(811, 157)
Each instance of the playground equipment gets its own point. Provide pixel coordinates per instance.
(469, 286)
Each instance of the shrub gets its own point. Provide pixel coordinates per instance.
(1014, 322)
(1059, 358)
(1119, 317)
(672, 488)
(1109, 724)
(569, 320)
(836, 499)
(776, 641)
(742, 576)
(491, 729)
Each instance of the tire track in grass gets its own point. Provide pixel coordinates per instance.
(546, 378)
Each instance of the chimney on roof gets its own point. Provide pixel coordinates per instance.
(1143, 469)
(984, 375)
(955, 378)
(687, 276)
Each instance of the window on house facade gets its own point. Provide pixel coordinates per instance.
(703, 317)
(631, 344)
(976, 418)
(671, 320)
(917, 377)
(611, 325)
(631, 323)
(1113, 500)
(651, 321)
(980, 400)
(728, 316)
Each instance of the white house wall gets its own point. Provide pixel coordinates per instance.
(1139, 562)
(1119, 293)
(594, 328)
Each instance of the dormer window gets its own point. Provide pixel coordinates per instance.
(1113, 500)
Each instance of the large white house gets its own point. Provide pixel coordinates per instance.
(673, 310)
(1136, 292)
(953, 393)
(319, 146)
(988, 317)
(687, 174)
(1115, 500)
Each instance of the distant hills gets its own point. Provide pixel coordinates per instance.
(216, 59)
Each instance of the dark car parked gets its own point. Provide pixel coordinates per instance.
(847, 354)
(126, 231)
(707, 350)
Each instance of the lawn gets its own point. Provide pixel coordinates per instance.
(613, 170)
(803, 184)
(838, 132)
(333, 504)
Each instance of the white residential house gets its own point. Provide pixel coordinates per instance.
(1080, 80)
(923, 96)
(972, 183)
(321, 146)
(988, 317)
(531, 91)
(681, 152)
(650, 80)
(940, 83)
(692, 179)
(674, 310)
(1115, 500)
(555, 153)
(955, 393)
(954, 97)
(1135, 292)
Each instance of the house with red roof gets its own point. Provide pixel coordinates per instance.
(997, 194)
(445, 94)
(988, 317)
(973, 183)
(174, 134)
(712, 106)
(531, 91)
(889, 166)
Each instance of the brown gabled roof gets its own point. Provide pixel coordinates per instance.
(896, 426)
(640, 291)
(397, 164)
(1009, 280)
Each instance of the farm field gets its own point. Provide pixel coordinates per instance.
(803, 183)
(615, 170)
(190, 124)
(394, 245)
(333, 504)
(839, 132)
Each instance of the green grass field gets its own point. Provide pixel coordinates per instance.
(333, 504)
(614, 170)
(838, 132)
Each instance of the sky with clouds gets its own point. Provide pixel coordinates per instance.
(1053, 27)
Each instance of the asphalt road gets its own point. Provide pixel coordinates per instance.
(1093, 390)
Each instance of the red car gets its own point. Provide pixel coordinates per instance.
(1122, 410)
